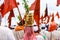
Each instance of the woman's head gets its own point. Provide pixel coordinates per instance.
(52, 26)
(22, 22)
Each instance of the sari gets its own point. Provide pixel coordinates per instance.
(29, 34)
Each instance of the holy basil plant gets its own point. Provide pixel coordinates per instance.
(19, 17)
(26, 5)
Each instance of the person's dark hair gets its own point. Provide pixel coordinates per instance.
(19, 23)
(59, 26)
(42, 27)
(37, 30)
(22, 22)
(47, 27)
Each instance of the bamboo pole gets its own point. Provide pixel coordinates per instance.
(19, 13)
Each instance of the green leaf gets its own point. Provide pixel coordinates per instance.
(19, 17)
(26, 6)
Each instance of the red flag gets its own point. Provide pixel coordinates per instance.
(37, 12)
(1, 7)
(48, 19)
(57, 14)
(8, 5)
(52, 17)
(46, 12)
(58, 2)
(33, 6)
(41, 19)
(10, 16)
(36, 7)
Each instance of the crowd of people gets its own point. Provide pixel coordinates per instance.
(27, 30)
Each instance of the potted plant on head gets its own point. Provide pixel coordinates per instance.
(29, 19)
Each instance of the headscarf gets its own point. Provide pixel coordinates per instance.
(52, 26)
(29, 34)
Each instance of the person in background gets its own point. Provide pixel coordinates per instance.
(20, 26)
(47, 25)
(58, 28)
(52, 29)
(44, 33)
(56, 33)
(6, 33)
(19, 31)
(38, 35)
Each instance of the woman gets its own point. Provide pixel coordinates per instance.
(29, 33)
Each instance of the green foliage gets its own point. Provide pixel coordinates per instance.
(19, 17)
(26, 5)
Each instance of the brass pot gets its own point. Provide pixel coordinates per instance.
(29, 19)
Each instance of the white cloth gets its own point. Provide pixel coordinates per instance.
(58, 29)
(56, 35)
(35, 28)
(6, 34)
(18, 34)
(46, 33)
(42, 25)
(39, 37)
(56, 20)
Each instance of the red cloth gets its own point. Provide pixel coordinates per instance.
(33, 6)
(36, 7)
(52, 26)
(48, 19)
(57, 14)
(37, 12)
(58, 2)
(29, 34)
(8, 5)
(41, 19)
(52, 17)
(46, 12)
(10, 16)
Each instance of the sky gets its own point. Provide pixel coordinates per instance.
(51, 5)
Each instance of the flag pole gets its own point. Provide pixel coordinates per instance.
(19, 13)
(18, 10)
